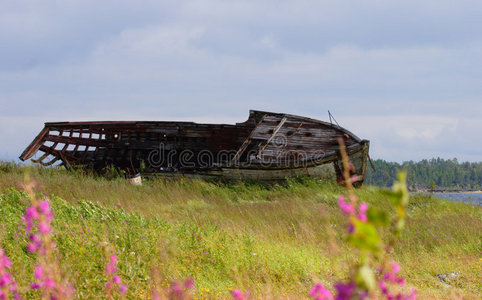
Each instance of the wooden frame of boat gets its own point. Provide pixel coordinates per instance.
(268, 146)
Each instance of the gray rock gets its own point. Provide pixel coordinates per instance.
(447, 277)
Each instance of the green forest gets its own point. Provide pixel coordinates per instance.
(435, 173)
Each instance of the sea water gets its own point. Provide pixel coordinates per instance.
(472, 198)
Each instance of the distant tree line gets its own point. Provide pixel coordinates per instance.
(435, 173)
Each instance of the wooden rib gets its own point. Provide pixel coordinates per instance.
(275, 131)
(55, 159)
(35, 145)
(39, 160)
(246, 142)
(86, 151)
(65, 161)
(54, 152)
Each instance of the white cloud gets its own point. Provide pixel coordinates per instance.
(268, 41)
(150, 42)
(414, 137)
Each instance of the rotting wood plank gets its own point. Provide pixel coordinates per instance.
(126, 144)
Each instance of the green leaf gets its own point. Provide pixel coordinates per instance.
(400, 189)
(393, 196)
(364, 236)
(399, 226)
(365, 278)
(378, 217)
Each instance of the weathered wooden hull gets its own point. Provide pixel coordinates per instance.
(320, 169)
(268, 146)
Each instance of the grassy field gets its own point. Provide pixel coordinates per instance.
(274, 241)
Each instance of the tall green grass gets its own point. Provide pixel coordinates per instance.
(274, 241)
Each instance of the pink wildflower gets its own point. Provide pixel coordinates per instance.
(238, 295)
(111, 267)
(156, 296)
(35, 286)
(37, 221)
(123, 288)
(43, 281)
(395, 268)
(412, 296)
(39, 272)
(44, 228)
(351, 228)
(49, 283)
(189, 283)
(319, 292)
(391, 277)
(346, 207)
(39, 213)
(345, 291)
(31, 213)
(44, 207)
(363, 212)
(7, 283)
(113, 279)
(35, 243)
(4, 261)
(178, 291)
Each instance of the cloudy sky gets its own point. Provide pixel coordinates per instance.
(405, 74)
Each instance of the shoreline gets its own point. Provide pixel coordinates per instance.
(456, 191)
(447, 191)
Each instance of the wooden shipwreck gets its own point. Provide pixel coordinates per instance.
(268, 146)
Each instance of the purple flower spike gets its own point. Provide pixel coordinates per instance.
(391, 277)
(7, 283)
(5, 279)
(123, 288)
(111, 266)
(238, 295)
(37, 219)
(31, 213)
(35, 286)
(345, 291)
(189, 283)
(38, 214)
(44, 228)
(351, 228)
(346, 207)
(177, 290)
(319, 292)
(363, 212)
(395, 268)
(49, 283)
(412, 296)
(4, 261)
(113, 280)
(383, 287)
(44, 207)
(32, 248)
(39, 272)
